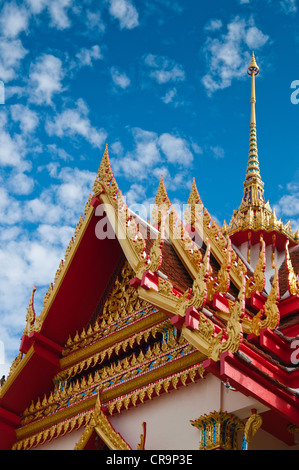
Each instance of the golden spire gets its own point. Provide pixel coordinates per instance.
(253, 184)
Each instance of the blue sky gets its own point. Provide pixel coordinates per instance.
(164, 83)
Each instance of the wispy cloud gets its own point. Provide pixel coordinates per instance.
(287, 207)
(163, 69)
(227, 56)
(288, 6)
(120, 78)
(125, 12)
(75, 123)
(13, 20)
(153, 155)
(87, 56)
(45, 79)
(11, 54)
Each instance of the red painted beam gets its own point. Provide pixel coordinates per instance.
(276, 345)
(289, 306)
(8, 422)
(251, 382)
(272, 369)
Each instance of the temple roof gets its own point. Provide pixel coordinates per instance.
(182, 285)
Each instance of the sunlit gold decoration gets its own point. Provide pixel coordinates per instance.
(69, 386)
(222, 282)
(293, 282)
(162, 203)
(233, 329)
(155, 389)
(218, 430)
(141, 445)
(194, 206)
(123, 299)
(105, 430)
(123, 221)
(186, 248)
(154, 260)
(258, 280)
(252, 425)
(30, 317)
(53, 432)
(117, 348)
(269, 316)
(198, 294)
(254, 213)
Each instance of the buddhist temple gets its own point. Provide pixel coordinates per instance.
(168, 334)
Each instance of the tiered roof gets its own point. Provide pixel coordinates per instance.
(152, 308)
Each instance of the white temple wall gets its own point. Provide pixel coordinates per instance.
(168, 418)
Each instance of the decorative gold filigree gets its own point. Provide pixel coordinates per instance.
(162, 203)
(257, 281)
(155, 389)
(122, 219)
(270, 311)
(252, 425)
(53, 432)
(222, 282)
(30, 317)
(233, 329)
(123, 299)
(293, 282)
(141, 445)
(218, 430)
(197, 295)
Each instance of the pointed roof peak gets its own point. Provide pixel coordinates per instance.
(194, 197)
(105, 173)
(161, 195)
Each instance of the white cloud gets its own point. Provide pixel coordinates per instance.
(75, 123)
(217, 151)
(20, 183)
(53, 215)
(228, 56)
(150, 153)
(125, 12)
(11, 54)
(58, 13)
(13, 20)
(87, 56)
(288, 205)
(164, 69)
(213, 25)
(288, 6)
(120, 79)
(94, 21)
(176, 149)
(45, 79)
(12, 148)
(169, 96)
(57, 10)
(27, 118)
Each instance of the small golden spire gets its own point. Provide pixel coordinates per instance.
(253, 70)
(161, 198)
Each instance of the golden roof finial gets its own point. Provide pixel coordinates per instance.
(253, 185)
(161, 198)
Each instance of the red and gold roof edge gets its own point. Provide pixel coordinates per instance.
(186, 309)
